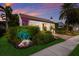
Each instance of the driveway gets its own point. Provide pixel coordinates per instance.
(63, 36)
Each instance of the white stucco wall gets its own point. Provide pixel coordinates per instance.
(20, 20)
(2, 19)
(40, 24)
(35, 23)
(76, 27)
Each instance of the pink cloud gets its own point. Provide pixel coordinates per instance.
(23, 11)
(16, 11)
(34, 14)
(44, 7)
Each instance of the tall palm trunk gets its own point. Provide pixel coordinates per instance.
(67, 27)
(7, 24)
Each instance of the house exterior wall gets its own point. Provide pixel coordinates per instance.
(76, 27)
(40, 25)
(35, 23)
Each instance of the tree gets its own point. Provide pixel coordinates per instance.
(14, 20)
(8, 12)
(11, 19)
(70, 13)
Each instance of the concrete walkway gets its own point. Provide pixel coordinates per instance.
(63, 36)
(61, 49)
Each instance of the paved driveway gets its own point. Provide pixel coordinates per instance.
(61, 49)
(63, 36)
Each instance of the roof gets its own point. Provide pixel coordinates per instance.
(36, 18)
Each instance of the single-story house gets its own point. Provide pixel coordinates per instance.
(2, 27)
(60, 24)
(76, 27)
(35, 21)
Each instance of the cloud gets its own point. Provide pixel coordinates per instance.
(23, 11)
(34, 14)
(51, 5)
(17, 11)
(44, 8)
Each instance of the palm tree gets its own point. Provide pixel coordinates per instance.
(8, 12)
(14, 20)
(69, 13)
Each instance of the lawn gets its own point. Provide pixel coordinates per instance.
(75, 52)
(6, 49)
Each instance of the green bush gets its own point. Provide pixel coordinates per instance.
(13, 31)
(32, 30)
(42, 38)
(37, 36)
(48, 32)
(12, 36)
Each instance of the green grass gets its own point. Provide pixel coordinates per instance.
(6, 49)
(75, 52)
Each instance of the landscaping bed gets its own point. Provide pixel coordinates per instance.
(6, 49)
(11, 43)
(75, 52)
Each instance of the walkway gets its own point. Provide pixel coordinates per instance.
(63, 36)
(61, 49)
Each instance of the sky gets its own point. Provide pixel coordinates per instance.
(42, 10)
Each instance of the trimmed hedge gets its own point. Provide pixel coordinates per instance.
(42, 38)
(13, 32)
(38, 37)
(32, 30)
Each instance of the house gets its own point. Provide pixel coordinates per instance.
(2, 22)
(76, 27)
(60, 25)
(43, 24)
(2, 26)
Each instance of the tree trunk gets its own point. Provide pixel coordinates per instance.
(67, 28)
(7, 24)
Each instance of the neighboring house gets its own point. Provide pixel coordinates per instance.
(35, 21)
(76, 27)
(60, 25)
(2, 26)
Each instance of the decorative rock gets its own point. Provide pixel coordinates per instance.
(25, 43)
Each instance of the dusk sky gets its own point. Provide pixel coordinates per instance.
(42, 10)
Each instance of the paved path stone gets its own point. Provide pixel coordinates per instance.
(61, 49)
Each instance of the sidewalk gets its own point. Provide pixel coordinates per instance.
(61, 49)
(63, 36)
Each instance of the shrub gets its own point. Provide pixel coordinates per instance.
(33, 30)
(12, 36)
(13, 32)
(48, 32)
(37, 36)
(42, 38)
